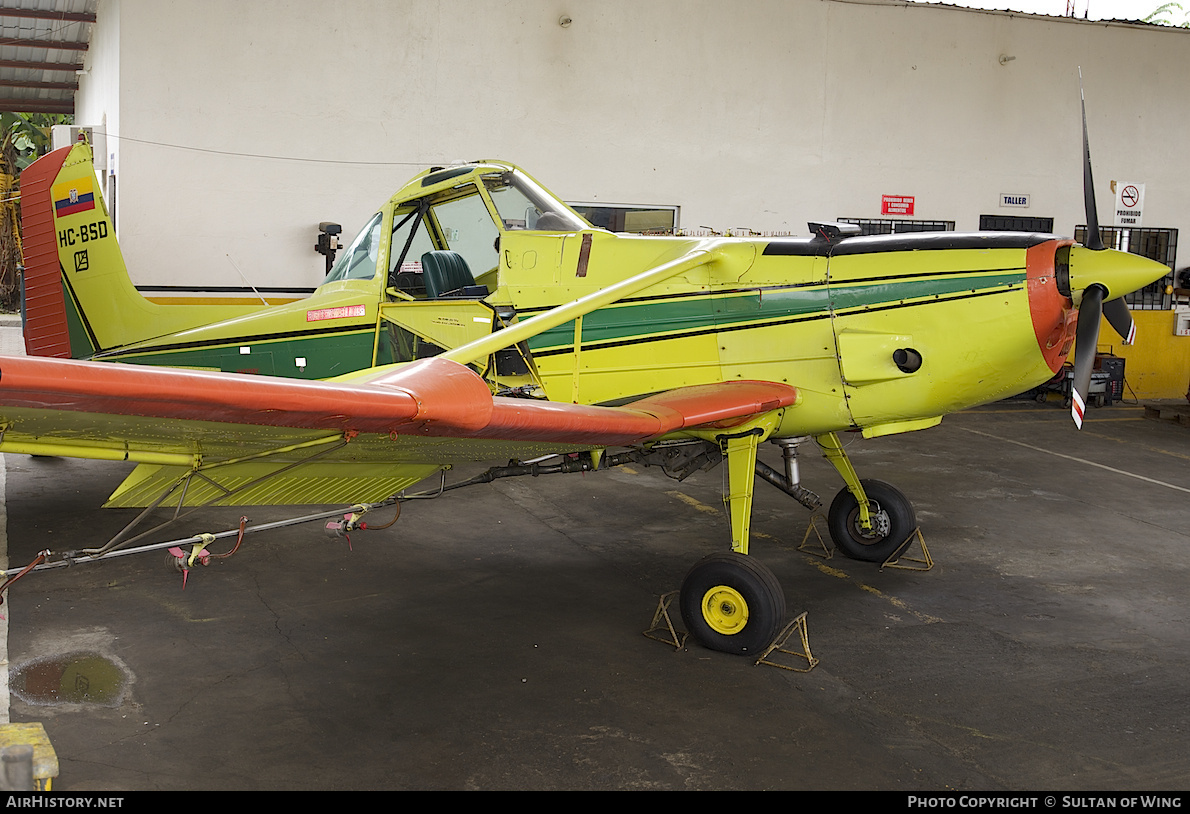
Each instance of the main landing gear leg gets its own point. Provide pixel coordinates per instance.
(868, 519)
(741, 467)
(729, 601)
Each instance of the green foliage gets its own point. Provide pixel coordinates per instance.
(26, 136)
(1165, 15)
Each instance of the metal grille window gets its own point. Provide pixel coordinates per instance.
(1156, 244)
(1009, 223)
(877, 226)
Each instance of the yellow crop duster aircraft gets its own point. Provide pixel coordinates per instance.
(478, 317)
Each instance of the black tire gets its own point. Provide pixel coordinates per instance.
(732, 603)
(892, 516)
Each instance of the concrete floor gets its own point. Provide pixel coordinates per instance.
(491, 639)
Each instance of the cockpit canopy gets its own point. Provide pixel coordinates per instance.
(462, 209)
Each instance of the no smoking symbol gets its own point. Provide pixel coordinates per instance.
(1130, 196)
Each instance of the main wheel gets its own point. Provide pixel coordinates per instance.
(893, 521)
(732, 603)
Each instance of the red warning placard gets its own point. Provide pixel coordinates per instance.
(341, 312)
(897, 204)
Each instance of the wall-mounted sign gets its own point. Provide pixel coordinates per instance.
(896, 205)
(1130, 202)
(1014, 199)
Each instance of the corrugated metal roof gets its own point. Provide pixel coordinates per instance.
(42, 44)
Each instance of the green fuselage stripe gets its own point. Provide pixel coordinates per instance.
(325, 355)
(716, 311)
(82, 338)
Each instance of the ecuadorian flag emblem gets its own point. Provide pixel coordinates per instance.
(72, 197)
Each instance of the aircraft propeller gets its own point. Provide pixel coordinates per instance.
(1092, 306)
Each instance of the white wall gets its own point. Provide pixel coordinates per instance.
(97, 101)
(243, 125)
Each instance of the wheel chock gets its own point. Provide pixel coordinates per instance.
(820, 550)
(662, 628)
(924, 563)
(778, 646)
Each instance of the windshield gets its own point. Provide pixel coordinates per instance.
(523, 204)
(358, 261)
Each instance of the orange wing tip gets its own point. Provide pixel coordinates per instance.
(713, 404)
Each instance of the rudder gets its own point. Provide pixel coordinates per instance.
(43, 306)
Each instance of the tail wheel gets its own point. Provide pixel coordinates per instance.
(732, 603)
(892, 516)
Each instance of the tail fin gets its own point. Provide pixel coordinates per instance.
(78, 298)
(47, 326)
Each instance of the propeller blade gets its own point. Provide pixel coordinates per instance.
(1094, 240)
(1086, 338)
(1120, 318)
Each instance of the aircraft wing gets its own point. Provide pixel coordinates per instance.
(276, 440)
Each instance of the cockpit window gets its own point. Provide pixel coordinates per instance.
(523, 204)
(467, 228)
(460, 220)
(408, 229)
(358, 261)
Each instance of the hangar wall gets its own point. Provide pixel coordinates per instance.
(237, 127)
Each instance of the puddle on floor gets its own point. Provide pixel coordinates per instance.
(73, 678)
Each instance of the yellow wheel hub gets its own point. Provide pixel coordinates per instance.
(724, 610)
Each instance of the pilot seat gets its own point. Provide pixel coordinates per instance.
(447, 276)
